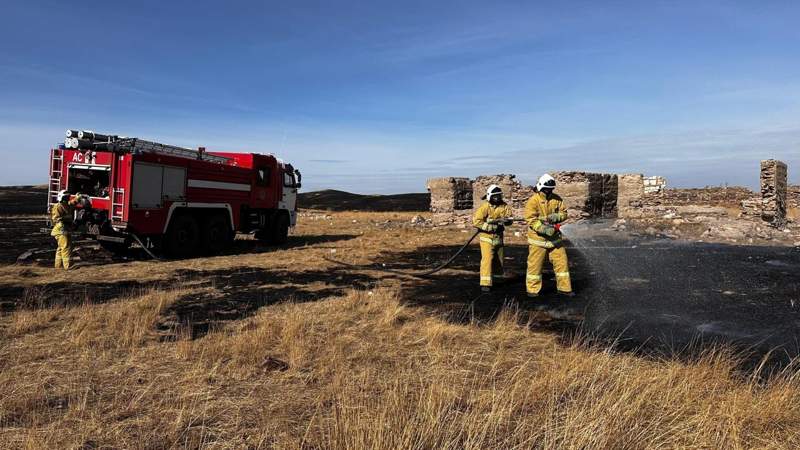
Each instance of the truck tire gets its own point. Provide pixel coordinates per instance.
(279, 232)
(183, 237)
(216, 234)
(276, 231)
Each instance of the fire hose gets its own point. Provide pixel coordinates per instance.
(435, 269)
(411, 274)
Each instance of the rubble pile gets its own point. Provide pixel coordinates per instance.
(707, 223)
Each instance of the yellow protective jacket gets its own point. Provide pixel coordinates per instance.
(486, 213)
(538, 212)
(61, 216)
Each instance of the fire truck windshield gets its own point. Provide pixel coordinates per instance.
(90, 180)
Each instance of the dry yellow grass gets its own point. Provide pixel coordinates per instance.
(355, 368)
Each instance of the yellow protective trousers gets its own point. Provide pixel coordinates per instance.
(64, 251)
(557, 257)
(491, 259)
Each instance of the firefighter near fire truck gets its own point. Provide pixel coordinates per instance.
(63, 219)
(179, 201)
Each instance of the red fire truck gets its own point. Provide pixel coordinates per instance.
(182, 201)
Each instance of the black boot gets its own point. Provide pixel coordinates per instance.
(568, 294)
(533, 295)
(486, 289)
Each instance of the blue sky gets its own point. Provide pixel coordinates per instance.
(376, 96)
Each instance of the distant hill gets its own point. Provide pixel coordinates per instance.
(334, 200)
(33, 200)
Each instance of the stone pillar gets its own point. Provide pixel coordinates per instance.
(610, 195)
(450, 194)
(773, 192)
(630, 193)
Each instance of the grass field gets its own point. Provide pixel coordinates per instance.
(280, 347)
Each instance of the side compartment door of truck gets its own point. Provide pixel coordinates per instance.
(155, 187)
(156, 184)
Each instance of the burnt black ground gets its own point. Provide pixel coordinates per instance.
(672, 293)
(643, 294)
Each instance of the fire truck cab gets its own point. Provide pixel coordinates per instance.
(182, 201)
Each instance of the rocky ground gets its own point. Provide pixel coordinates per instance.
(711, 224)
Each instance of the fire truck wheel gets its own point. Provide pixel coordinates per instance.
(217, 234)
(183, 237)
(280, 229)
(277, 232)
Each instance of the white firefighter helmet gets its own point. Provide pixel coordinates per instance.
(61, 194)
(492, 191)
(546, 181)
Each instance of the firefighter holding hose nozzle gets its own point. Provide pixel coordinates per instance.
(62, 216)
(491, 218)
(544, 213)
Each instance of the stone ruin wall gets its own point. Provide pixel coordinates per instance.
(450, 195)
(585, 194)
(515, 193)
(654, 185)
(588, 195)
(731, 196)
(630, 195)
(793, 196)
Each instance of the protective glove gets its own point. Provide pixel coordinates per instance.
(554, 218)
(508, 221)
(548, 230)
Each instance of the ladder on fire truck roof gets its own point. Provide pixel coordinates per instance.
(136, 145)
(89, 140)
(56, 165)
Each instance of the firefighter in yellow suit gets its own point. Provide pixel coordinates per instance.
(62, 215)
(543, 212)
(491, 218)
